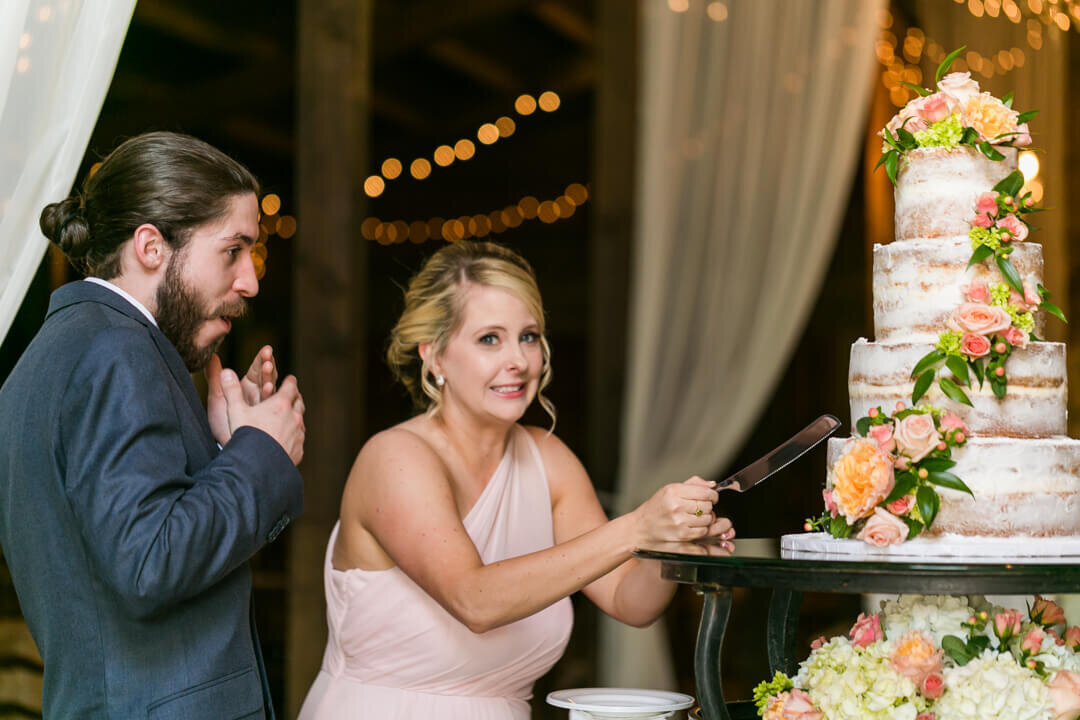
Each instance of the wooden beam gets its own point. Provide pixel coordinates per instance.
(406, 26)
(177, 20)
(476, 65)
(569, 23)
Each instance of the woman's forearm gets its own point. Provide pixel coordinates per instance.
(642, 595)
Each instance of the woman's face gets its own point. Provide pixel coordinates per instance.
(492, 364)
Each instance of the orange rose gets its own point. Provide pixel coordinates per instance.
(915, 657)
(861, 478)
(990, 117)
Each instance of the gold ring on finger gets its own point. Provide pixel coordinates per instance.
(698, 512)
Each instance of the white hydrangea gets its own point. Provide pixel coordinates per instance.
(937, 615)
(1056, 657)
(993, 687)
(849, 683)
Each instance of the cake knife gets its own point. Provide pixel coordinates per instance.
(800, 444)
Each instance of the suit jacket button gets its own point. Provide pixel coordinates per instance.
(278, 527)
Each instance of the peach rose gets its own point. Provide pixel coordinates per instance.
(916, 436)
(1016, 337)
(1072, 637)
(990, 118)
(1017, 300)
(974, 346)
(1033, 640)
(1017, 229)
(977, 292)
(901, 506)
(987, 203)
(932, 685)
(883, 528)
(1065, 695)
(799, 706)
(979, 319)
(915, 656)
(949, 421)
(960, 86)
(861, 478)
(1031, 296)
(934, 107)
(883, 434)
(1047, 612)
(866, 630)
(1022, 138)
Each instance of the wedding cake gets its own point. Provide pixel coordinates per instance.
(958, 404)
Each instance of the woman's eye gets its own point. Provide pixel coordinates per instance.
(489, 339)
(530, 337)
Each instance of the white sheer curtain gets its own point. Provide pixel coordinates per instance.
(752, 116)
(56, 61)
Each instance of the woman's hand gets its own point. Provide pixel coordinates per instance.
(682, 512)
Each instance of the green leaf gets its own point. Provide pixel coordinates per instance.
(891, 161)
(917, 88)
(903, 485)
(1011, 276)
(922, 385)
(914, 527)
(998, 385)
(927, 499)
(907, 140)
(947, 63)
(979, 366)
(981, 253)
(1025, 116)
(931, 358)
(978, 644)
(958, 367)
(838, 527)
(1007, 100)
(881, 160)
(1053, 310)
(953, 391)
(988, 150)
(1044, 294)
(969, 136)
(1011, 183)
(937, 464)
(863, 426)
(957, 649)
(945, 479)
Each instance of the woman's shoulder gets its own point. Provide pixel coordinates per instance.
(404, 445)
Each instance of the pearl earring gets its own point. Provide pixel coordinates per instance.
(440, 380)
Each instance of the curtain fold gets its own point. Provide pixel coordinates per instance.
(752, 119)
(56, 61)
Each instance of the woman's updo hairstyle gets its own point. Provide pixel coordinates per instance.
(171, 181)
(434, 311)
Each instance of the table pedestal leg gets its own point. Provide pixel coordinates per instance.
(780, 631)
(710, 639)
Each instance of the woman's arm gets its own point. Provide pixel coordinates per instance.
(633, 592)
(399, 491)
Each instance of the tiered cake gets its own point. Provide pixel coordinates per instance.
(958, 405)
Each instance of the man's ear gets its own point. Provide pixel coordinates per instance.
(150, 249)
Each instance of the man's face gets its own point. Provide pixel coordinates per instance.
(206, 282)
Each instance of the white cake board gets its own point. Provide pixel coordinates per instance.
(945, 549)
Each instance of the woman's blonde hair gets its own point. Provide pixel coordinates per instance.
(434, 311)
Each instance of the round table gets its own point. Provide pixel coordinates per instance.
(758, 563)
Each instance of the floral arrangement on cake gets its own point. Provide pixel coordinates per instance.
(957, 114)
(882, 489)
(995, 318)
(937, 658)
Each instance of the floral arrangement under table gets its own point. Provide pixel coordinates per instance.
(939, 652)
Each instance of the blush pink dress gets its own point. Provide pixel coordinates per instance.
(395, 654)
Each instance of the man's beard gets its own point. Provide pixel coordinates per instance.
(180, 315)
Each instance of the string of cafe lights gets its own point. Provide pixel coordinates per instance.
(271, 223)
(479, 225)
(464, 149)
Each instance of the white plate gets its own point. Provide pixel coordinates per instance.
(620, 702)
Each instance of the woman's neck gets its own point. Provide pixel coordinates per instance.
(479, 445)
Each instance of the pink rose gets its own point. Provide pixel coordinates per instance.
(1015, 226)
(983, 220)
(908, 118)
(949, 421)
(932, 685)
(1057, 638)
(1007, 624)
(1022, 138)
(1017, 300)
(916, 436)
(934, 107)
(960, 86)
(1046, 612)
(883, 528)
(977, 292)
(883, 434)
(830, 503)
(974, 346)
(1033, 640)
(799, 706)
(926, 716)
(986, 204)
(1031, 297)
(979, 319)
(1016, 337)
(818, 643)
(901, 463)
(1072, 636)
(866, 630)
(901, 506)
(1065, 695)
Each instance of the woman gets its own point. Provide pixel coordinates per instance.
(462, 533)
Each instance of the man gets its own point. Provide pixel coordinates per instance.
(128, 513)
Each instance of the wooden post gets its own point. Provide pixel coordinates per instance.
(330, 280)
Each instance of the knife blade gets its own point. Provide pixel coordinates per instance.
(775, 461)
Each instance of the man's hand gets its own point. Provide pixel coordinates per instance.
(257, 385)
(281, 415)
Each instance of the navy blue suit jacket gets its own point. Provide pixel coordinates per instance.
(126, 530)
